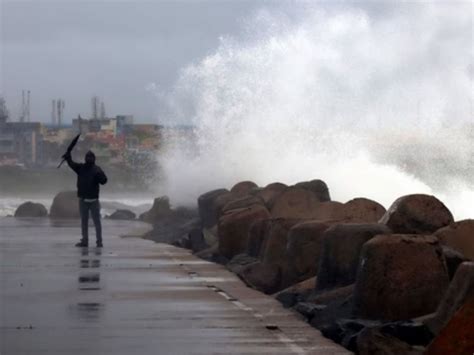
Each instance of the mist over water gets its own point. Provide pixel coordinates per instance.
(376, 102)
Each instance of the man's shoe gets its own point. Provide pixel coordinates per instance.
(99, 245)
(82, 245)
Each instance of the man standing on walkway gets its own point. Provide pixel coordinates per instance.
(89, 179)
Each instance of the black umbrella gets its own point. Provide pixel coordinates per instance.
(70, 148)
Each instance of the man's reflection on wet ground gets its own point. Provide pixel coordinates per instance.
(89, 280)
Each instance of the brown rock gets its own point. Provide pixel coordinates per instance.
(318, 187)
(341, 247)
(256, 237)
(417, 214)
(295, 202)
(207, 207)
(363, 210)
(330, 211)
(263, 277)
(267, 241)
(270, 192)
(221, 201)
(459, 291)
(239, 262)
(400, 277)
(276, 239)
(234, 227)
(453, 259)
(457, 337)
(65, 205)
(371, 341)
(31, 209)
(296, 293)
(304, 249)
(242, 202)
(160, 209)
(243, 188)
(459, 236)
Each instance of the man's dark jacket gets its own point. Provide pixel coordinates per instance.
(89, 176)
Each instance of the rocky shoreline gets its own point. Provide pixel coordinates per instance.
(377, 281)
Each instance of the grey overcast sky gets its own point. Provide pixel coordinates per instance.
(113, 49)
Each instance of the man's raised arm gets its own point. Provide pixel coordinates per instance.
(72, 164)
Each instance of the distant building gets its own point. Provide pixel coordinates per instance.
(109, 124)
(122, 121)
(3, 112)
(7, 146)
(58, 135)
(115, 125)
(26, 140)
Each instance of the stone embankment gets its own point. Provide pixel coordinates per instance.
(396, 281)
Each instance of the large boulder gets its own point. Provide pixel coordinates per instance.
(459, 291)
(233, 229)
(371, 341)
(160, 209)
(400, 277)
(295, 202)
(123, 215)
(222, 200)
(270, 192)
(459, 236)
(417, 214)
(239, 262)
(196, 239)
(304, 249)
(338, 305)
(363, 210)
(318, 187)
(256, 237)
(242, 202)
(65, 206)
(457, 336)
(31, 209)
(341, 247)
(243, 188)
(207, 208)
(275, 247)
(296, 293)
(329, 211)
(263, 277)
(453, 259)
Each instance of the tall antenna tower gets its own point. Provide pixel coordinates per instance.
(3, 110)
(27, 113)
(60, 105)
(22, 110)
(53, 112)
(102, 110)
(95, 107)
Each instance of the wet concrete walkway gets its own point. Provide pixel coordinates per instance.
(132, 297)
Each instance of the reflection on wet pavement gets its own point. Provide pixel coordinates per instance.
(87, 311)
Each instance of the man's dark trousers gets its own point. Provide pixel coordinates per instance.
(94, 208)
